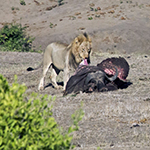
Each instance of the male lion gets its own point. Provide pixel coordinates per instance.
(62, 58)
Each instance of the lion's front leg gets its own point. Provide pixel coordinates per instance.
(66, 76)
(66, 71)
(41, 84)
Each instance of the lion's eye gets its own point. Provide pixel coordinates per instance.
(83, 50)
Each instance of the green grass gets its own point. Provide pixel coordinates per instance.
(13, 38)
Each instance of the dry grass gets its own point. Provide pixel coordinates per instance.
(118, 119)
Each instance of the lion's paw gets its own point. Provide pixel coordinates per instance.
(41, 88)
(58, 87)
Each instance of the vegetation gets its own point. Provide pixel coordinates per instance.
(22, 2)
(51, 25)
(60, 2)
(121, 1)
(14, 8)
(13, 38)
(90, 18)
(26, 122)
(91, 8)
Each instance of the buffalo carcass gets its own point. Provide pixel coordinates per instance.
(108, 75)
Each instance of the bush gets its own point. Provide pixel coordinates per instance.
(13, 37)
(60, 2)
(22, 2)
(26, 123)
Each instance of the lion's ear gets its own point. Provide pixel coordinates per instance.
(76, 40)
(85, 34)
(90, 40)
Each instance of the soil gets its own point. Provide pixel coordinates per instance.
(118, 120)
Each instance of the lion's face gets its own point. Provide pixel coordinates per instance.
(82, 49)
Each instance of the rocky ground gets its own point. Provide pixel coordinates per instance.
(118, 120)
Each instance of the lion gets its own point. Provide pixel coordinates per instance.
(61, 57)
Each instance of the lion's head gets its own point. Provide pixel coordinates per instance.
(81, 48)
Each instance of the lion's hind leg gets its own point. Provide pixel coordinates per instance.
(53, 76)
(45, 69)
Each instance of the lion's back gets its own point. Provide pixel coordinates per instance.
(58, 54)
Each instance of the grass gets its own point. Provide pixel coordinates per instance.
(90, 18)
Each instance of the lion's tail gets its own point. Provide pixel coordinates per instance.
(31, 69)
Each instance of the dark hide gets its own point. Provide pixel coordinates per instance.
(96, 78)
(76, 82)
(88, 79)
(98, 81)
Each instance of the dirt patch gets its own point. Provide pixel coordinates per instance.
(118, 119)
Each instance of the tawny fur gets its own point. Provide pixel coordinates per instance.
(61, 58)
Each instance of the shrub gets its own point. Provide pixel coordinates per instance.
(26, 122)
(13, 37)
(22, 2)
(60, 2)
(90, 18)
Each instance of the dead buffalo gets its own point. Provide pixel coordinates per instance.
(108, 75)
